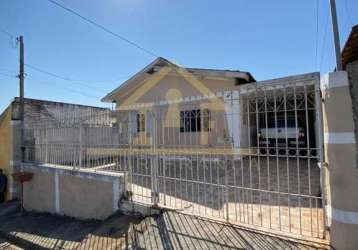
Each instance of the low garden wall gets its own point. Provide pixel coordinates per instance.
(83, 194)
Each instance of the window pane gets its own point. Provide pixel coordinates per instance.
(206, 120)
(140, 122)
(190, 121)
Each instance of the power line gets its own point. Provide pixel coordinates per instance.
(51, 74)
(317, 25)
(69, 80)
(46, 72)
(12, 41)
(8, 71)
(348, 13)
(60, 86)
(324, 40)
(8, 75)
(59, 76)
(103, 28)
(5, 32)
(3, 78)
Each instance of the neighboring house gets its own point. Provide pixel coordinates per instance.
(37, 113)
(6, 154)
(350, 64)
(180, 122)
(350, 50)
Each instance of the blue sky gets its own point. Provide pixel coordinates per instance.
(269, 38)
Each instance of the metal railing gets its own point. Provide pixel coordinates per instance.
(249, 156)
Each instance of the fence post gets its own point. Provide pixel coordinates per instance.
(80, 150)
(46, 144)
(129, 154)
(339, 122)
(154, 159)
(320, 147)
(226, 188)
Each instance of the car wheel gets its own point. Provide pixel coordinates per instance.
(313, 153)
(303, 152)
(282, 152)
(292, 152)
(263, 151)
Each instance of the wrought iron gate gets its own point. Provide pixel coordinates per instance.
(250, 157)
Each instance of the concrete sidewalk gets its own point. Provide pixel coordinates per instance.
(45, 231)
(170, 230)
(173, 230)
(5, 245)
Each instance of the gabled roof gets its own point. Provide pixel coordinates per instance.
(133, 82)
(350, 50)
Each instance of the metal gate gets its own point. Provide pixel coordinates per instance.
(250, 156)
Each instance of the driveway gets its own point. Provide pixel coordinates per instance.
(169, 230)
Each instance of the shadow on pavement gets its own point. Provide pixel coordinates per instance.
(173, 230)
(169, 230)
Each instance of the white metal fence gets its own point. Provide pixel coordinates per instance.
(249, 156)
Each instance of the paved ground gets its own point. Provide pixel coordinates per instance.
(5, 245)
(174, 230)
(33, 230)
(170, 230)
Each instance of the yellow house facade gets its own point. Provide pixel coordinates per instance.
(6, 147)
(179, 119)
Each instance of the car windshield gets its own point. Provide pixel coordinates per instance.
(281, 124)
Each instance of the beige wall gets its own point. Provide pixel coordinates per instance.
(159, 83)
(39, 193)
(81, 194)
(341, 158)
(85, 198)
(6, 146)
(186, 87)
(173, 87)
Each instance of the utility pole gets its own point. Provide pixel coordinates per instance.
(337, 46)
(22, 109)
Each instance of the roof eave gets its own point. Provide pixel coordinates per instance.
(224, 73)
(109, 96)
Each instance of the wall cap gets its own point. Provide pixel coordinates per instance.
(334, 80)
(82, 173)
(339, 138)
(343, 216)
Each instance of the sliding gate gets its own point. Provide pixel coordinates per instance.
(250, 157)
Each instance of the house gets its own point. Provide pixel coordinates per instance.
(167, 92)
(350, 50)
(168, 106)
(350, 64)
(37, 112)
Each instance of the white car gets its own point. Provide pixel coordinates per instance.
(282, 138)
